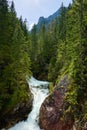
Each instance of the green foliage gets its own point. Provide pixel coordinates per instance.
(51, 87)
(74, 57)
(15, 62)
(62, 48)
(71, 95)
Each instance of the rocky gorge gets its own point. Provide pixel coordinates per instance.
(54, 114)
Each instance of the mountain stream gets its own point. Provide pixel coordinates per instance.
(40, 91)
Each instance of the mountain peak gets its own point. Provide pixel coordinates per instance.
(41, 19)
(49, 19)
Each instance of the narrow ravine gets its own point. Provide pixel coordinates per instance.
(40, 91)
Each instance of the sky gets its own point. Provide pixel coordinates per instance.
(33, 9)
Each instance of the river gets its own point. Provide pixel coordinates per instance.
(40, 91)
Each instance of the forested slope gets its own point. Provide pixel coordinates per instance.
(14, 63)
(61, 49)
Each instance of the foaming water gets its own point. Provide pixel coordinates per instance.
(40, 91)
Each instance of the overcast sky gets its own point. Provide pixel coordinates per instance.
(33, 9)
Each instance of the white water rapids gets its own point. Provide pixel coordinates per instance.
(40, 91)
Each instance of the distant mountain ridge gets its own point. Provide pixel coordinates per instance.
(49, 19)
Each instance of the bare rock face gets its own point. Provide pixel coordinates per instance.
(52, 115)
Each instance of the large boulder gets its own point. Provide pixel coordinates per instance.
(52, 112)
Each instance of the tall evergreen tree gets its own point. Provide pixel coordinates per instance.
(14, 59)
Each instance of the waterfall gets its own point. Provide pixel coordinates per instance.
(40, 91)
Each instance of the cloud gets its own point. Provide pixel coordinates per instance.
(31, 25)
(32, 2)
(37, 1)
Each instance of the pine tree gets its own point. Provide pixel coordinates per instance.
(14, 59)
(12, 8)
